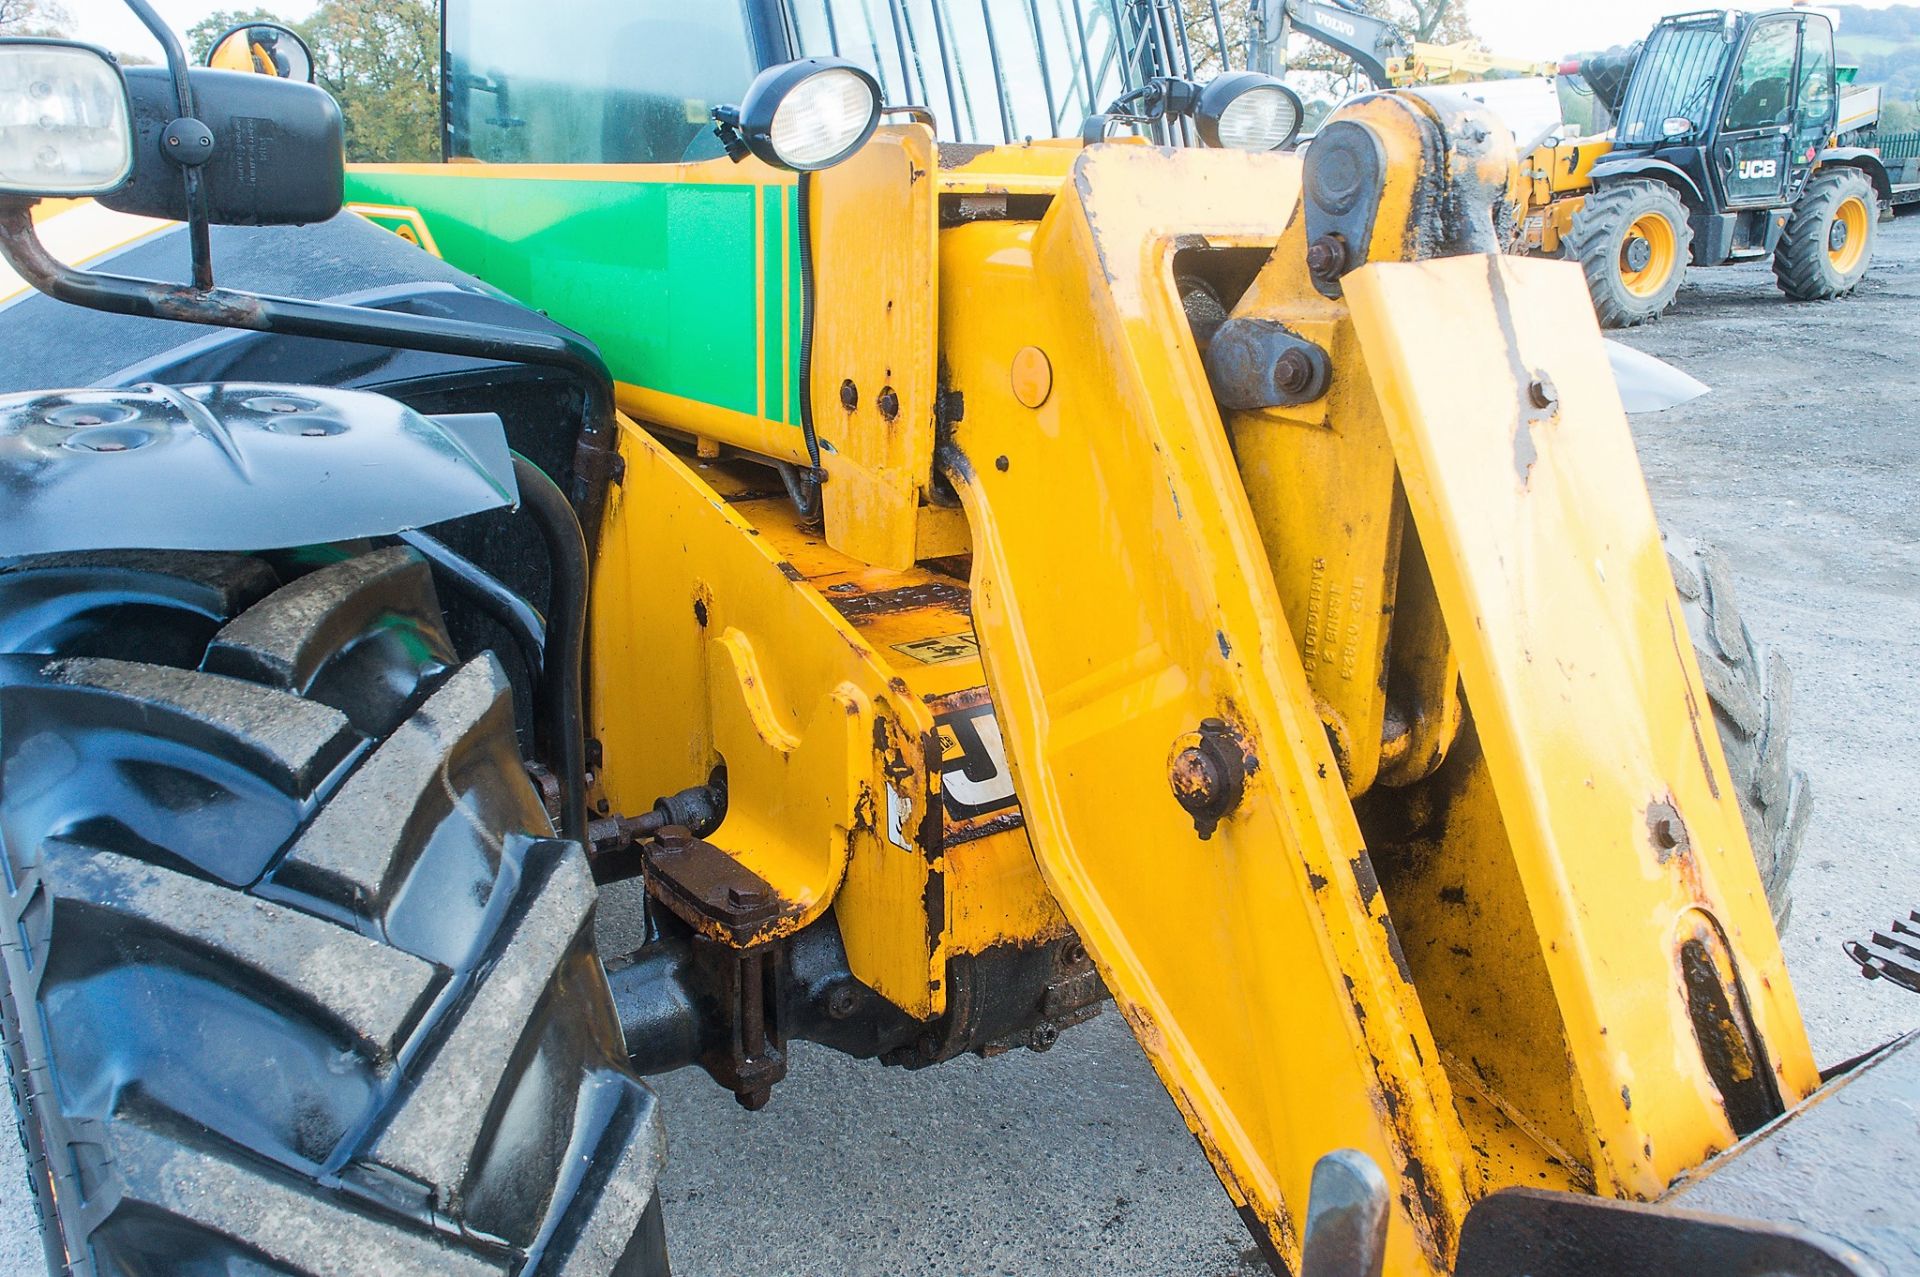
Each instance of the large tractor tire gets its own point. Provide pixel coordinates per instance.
(1752, 695)
(1633, 241)
(297, 980)
(1828, 244)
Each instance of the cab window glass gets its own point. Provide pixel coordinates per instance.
(1763, 86)
(592, 81)
(1814, 103)
(990, 72)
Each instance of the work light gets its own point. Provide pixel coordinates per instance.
(66, 122)
(804, 115)
(1247, 111)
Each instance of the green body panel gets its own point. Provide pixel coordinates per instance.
(689, 288)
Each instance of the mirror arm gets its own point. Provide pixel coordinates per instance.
(596, 459)
(199, 217)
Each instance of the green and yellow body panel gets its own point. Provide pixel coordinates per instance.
(686, 275)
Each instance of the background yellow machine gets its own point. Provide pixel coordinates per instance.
(972, 576)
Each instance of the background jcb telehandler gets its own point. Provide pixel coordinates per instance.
(1725, 148)
(964, 577)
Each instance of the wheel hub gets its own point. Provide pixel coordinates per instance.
(1637, 253)
(1836, 236)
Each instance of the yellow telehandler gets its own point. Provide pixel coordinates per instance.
(965, 563)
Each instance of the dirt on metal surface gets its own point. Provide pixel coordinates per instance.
(1801, 465)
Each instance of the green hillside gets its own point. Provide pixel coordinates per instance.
(1885, 45)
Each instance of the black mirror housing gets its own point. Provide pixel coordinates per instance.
(276, 156)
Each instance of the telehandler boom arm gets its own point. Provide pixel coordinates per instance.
(1469, 975)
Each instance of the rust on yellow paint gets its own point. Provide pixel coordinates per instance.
(1257, 966)
(1469, 962)
(1587, 702)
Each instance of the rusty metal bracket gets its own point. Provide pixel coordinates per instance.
(710, 891)
(1256, 363)
(740, 923)
(1344, 177)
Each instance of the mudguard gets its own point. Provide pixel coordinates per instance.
(1868, 162)
(236, 466)
(236, 485)
(1625, 167)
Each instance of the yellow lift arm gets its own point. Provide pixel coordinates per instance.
(1550, 963)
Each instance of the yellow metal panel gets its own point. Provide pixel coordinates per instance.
(1122, 595)
(1028, 168)
(876, 303)
(1600, 747)
(1320, 480)
(709, 646)
(724, 627)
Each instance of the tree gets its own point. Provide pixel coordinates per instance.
(34, 17)
(1436, 21)
(202, 34)
(381, 60)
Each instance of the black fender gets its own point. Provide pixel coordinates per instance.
(236, 466)
(1867, 162)
(1640, 167)
(50, 344)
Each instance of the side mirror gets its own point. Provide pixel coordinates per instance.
(66, 122)
(270, 152)
(263, 48)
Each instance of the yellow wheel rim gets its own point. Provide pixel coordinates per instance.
(1648, 253)
(1847, 234)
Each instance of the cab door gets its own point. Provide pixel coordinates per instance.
(1816, 106)
(1751, 157)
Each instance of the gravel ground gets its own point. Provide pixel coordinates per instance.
(1800, 465)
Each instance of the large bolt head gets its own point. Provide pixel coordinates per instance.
(1327, 257)
(1208, 774)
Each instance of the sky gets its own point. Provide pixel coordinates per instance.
(1513, 28)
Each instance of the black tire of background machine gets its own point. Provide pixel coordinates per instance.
(1801, 265)
(1594, 239)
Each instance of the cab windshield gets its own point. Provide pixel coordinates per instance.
(633, 81)
(1675, 77)
(993, 71)
(591, 81)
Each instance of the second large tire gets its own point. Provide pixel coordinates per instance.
(297, 980)
(1752, 695)
(1828, 245)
